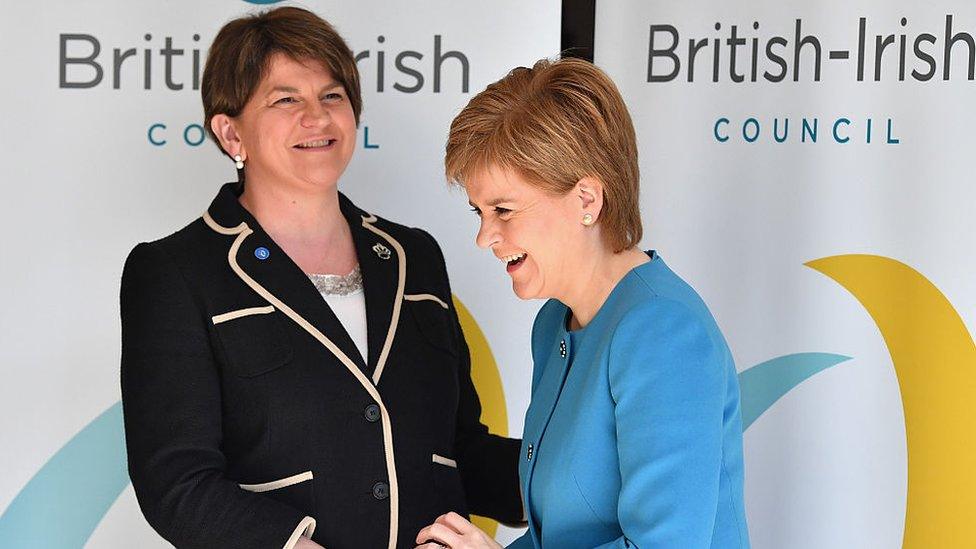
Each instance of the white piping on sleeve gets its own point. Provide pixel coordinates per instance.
(305, 528)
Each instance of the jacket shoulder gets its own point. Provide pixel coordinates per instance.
(190, 236)
(193, 252)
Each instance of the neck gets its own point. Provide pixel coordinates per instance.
(596, 280)
(292, 215)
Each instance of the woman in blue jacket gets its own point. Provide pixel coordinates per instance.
(633, 437)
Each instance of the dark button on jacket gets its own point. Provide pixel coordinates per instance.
(372, 413)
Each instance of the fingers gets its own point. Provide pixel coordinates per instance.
(456, 522)
(439, 533)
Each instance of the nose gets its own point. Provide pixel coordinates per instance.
(487, 234)
(315, 115)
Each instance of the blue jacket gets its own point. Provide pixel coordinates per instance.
(633, 437)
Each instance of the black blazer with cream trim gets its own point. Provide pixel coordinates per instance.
(251, 417)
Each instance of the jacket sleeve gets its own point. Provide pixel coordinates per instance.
(668, 379)
(172, 407)
(487, 463)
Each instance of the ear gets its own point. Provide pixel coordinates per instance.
(590, 193)
(224, 127)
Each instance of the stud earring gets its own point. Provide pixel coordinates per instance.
(239, 162)
(587, 219)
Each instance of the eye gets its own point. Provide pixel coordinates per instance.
(333, 97)
(285, 101)
(502, 211)
(476, 211)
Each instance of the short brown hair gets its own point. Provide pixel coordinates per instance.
(239, 55)
(554, 124)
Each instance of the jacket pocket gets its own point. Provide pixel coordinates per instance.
(599, 501)
(447, 483)
(443, 461)
(254, 341)
(434, 321)
(295, 491)
(231, 315)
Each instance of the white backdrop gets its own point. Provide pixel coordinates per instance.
(828, 464)
(875, 450)
(83, 183)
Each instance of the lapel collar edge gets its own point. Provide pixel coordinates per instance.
(242, 231)
(209, 220)
(343, 358)
(368, 221)
(226, 207)
(292, 314)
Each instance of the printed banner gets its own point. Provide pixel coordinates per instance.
(808, 168)
(102, 147)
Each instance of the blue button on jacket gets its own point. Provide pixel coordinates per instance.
(633, 437)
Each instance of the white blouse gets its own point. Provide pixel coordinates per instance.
(344, 295)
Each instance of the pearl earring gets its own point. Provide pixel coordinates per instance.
(587, 219)
(239, 162)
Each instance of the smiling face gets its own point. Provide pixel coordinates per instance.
(537, 235)
(297, 129)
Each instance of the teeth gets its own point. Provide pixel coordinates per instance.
(319, 143)
(511, 258)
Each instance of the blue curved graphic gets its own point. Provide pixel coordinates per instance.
(262, 2)
(64, 502)
(765, 383)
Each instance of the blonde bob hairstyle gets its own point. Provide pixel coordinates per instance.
(555, 124)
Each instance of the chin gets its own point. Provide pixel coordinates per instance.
(322, 180)
(523, 293)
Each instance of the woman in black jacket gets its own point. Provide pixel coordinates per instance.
(293, 369)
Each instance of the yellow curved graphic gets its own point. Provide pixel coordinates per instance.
(935, 360)
(484, 373)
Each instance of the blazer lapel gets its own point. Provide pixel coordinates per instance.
(537, 417)
(277, 273)
(268, 265)
(383, 266)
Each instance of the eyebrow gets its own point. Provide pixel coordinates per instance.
(289, 89)
(493, 202)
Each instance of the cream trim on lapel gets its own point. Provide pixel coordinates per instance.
(397, 301)
(243, 231)
(220, 228)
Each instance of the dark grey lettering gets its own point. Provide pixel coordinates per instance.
(439, 60)
(417, 75)
(64, 61)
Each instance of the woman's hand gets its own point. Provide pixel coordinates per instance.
(454, 531)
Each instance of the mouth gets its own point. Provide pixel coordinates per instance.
(316, 145)
(513, 262)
